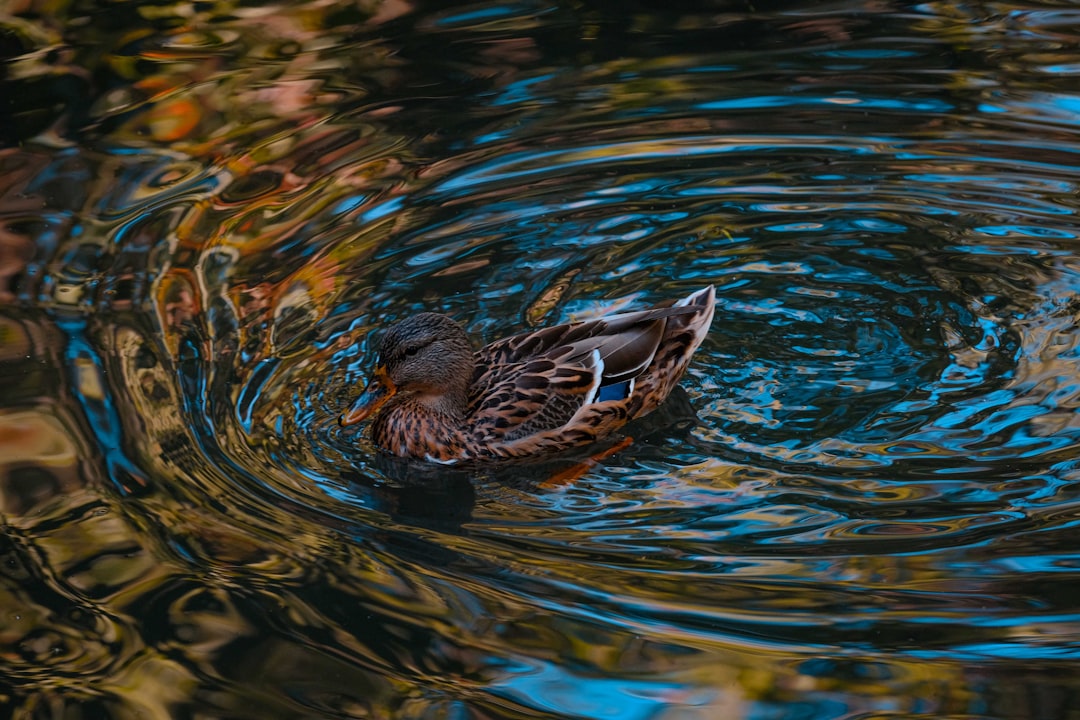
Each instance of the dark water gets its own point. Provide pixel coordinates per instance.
(205, 208)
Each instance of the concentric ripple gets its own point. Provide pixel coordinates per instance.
(865, 491)
(841, 340)
(891, 372)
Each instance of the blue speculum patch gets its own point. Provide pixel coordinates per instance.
(618, 391)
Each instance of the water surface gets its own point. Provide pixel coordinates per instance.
(864, 505)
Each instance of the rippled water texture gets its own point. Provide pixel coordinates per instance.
(864, 505)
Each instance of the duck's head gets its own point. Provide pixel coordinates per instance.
(427, 356)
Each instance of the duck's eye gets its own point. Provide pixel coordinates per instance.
(409, 352)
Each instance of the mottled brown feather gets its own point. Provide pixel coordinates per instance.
(533, 392)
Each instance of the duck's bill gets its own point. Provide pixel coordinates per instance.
(379, 390)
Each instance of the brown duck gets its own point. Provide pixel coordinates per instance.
(433, 397)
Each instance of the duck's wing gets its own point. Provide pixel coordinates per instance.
(536, 343)
(566, 371)
(556, 383)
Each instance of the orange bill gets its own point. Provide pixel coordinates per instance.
(379, 390)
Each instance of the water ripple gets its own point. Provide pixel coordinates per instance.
(868, 488)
